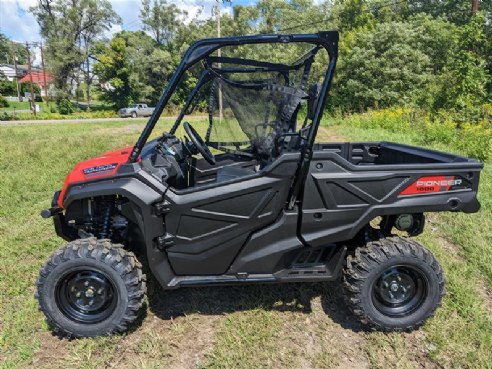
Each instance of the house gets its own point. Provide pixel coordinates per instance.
(8, 70)
(38, 78)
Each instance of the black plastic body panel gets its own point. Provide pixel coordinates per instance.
(207, 225)
(349, 184)
(265, 250)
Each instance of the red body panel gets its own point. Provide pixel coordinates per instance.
(104, 165)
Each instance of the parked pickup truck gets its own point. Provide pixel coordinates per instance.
(136, 110)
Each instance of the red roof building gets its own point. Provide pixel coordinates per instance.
(37, 78)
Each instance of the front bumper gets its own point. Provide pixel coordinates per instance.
(61, 228)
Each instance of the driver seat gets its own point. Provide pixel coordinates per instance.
(231, 172)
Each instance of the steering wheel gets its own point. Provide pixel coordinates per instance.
(199, 144)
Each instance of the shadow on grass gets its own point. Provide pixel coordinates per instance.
(291, 297)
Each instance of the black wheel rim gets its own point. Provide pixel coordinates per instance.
(400, 290)
(86, 296)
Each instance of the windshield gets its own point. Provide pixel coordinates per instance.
(253, 94)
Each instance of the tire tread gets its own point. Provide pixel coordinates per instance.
(376, 252)
(114, 255)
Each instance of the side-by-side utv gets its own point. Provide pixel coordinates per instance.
(247, 195)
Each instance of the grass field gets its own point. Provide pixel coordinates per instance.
(286, 326)
(98, 110)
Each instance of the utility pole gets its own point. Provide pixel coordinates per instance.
(33, 104)
(474, 6)
(44, 74)
(88, 86)
(16, 74)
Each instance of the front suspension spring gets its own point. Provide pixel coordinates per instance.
(106, 219)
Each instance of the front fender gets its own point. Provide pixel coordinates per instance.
(142, 198)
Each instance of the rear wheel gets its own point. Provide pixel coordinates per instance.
(89, 288)
(393, 284)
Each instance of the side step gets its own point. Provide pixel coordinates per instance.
(321, 264)
(305, 268)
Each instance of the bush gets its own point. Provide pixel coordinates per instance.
(3, 102)
(472, 139)
(475, 141)
(8, 88)
(5, 116)
(65, 107)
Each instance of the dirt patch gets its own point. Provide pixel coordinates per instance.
(51, 353)
(327, 135)
(195, 344)
(485, 292)
(456, 251)
(451, 248)
(325, 335)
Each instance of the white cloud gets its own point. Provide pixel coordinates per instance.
(20, 25)
(17, 22)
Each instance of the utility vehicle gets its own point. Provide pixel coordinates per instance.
(264, 202)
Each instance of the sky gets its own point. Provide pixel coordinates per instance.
(17, 23)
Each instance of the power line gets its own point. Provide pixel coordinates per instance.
(331, 17)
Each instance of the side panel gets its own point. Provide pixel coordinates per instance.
(340, 197)
(266, 250)
(207, 227)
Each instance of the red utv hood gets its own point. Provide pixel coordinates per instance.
(104, 165)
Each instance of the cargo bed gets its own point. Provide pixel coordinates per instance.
(389, 153)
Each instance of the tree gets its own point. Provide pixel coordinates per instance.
(7, 50)
(463, 81)
(113, 69)
(382, 68)
(149, 67)
(161, 20)
(69, 29)
(455, 11)
(353, 14)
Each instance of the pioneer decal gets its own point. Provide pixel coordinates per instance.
(99, 169)
(441, 183)
(434, 184)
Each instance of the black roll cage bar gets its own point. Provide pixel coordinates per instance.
(201, 49)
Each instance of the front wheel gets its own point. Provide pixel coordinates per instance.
(393, 284)
(134, 115)
(90, 288)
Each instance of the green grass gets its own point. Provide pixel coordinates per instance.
(98, 110)
(286, 326)
(17, 105)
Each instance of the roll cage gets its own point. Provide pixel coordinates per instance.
(202, 51)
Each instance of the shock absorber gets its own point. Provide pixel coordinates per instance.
(107, 212)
